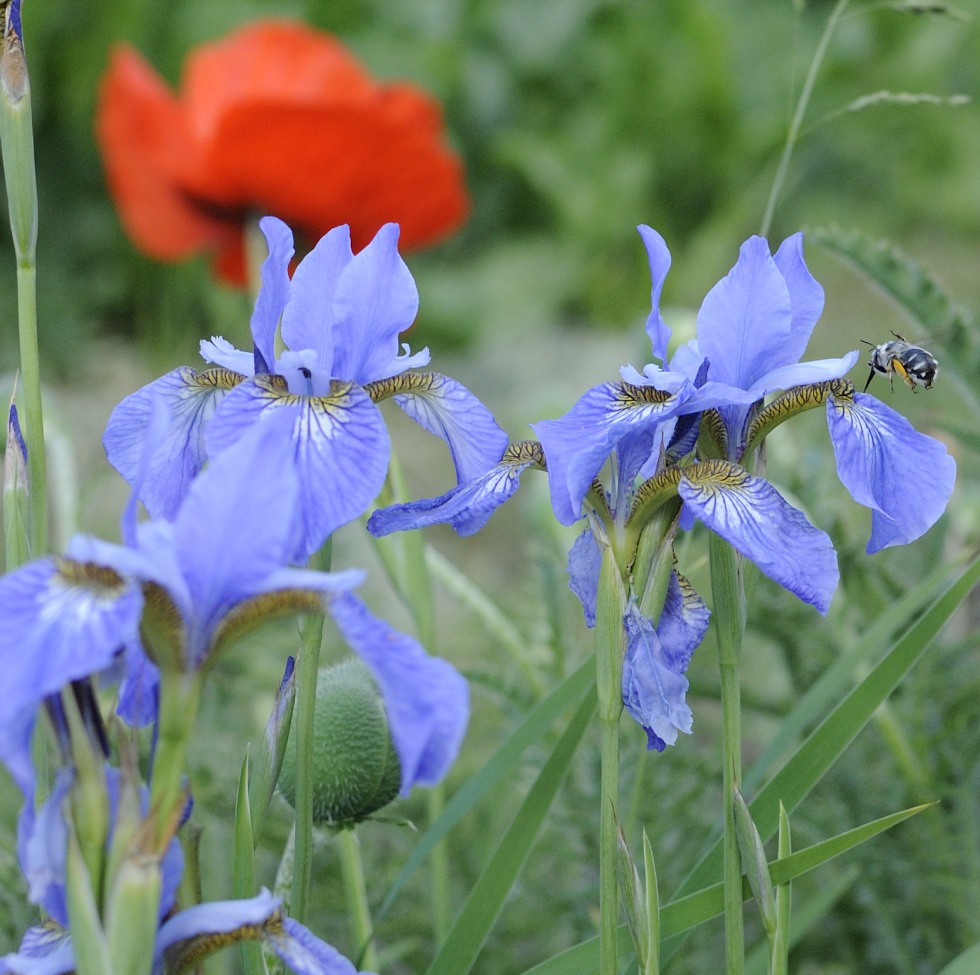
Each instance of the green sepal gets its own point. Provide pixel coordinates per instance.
(17, 143)
(754, 864)
(641, 901)
(89, 945)
(244, 867)
(132, 913)
(270, 753)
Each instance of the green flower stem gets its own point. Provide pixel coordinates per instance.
(728, 615)
(17, 144)
(355, 888)
(307, 666)
(609, 687)
(180, 698)
(801, 106)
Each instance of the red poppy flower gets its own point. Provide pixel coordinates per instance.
(275, 118)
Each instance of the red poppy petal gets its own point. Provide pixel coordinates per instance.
(265, 60)
(318, 167)
(146, 147)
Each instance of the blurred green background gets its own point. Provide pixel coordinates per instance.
(577, 120)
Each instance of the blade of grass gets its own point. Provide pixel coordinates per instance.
(501, 765)
(694, 909)
(827, 742)
(460, 950)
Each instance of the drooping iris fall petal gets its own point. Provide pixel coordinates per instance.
(274, 118)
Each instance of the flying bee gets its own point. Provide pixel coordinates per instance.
(912, 363)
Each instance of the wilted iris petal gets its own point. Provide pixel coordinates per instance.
(584, 565)
(749, 513)
(903, 476)
(654, 688)
(426, 699)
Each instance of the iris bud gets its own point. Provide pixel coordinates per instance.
(355, 767)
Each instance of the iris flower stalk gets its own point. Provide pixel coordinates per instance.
(17, 145)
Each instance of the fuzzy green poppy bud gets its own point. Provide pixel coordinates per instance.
(355, 766)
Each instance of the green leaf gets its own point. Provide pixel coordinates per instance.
(460, 950)
(244, 869)
(968, 963)
(687, 912)
(827, 742)
(832, 684)
(501, 765)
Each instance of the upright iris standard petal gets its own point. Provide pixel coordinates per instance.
(339, 450)
(307, 322)
(749, 513)
(578, 444)
(903, 476)
(659, 258)
(375, 299)
(745, 321)
(426, 699)
(177, 457)
(60, 620)
(273, 293)
(450, 411)
(806, 296)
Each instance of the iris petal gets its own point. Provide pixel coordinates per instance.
(426, 699)
(659, 259)
(191, 399)
(273, 291)
(749, 513)
(903, 476)
(59, 621)
(584, 564)
(745, 322)
(653, 690)
(805, 293)
(450, 411)
(375, 299)
(340, 451)
(578, 444)
(308, 321)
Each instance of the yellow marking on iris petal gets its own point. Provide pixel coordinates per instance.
(525, 451)
(714, 427)
(217, 378)
(188, 953)
(795, 400)
(100, 580)
(714, 475)
(406, 382)
(631, 396)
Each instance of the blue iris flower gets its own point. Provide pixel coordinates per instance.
(47, 949)
(220, 566)
(752, 330)
(341, 315)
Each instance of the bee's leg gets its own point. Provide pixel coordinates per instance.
(904, 373)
